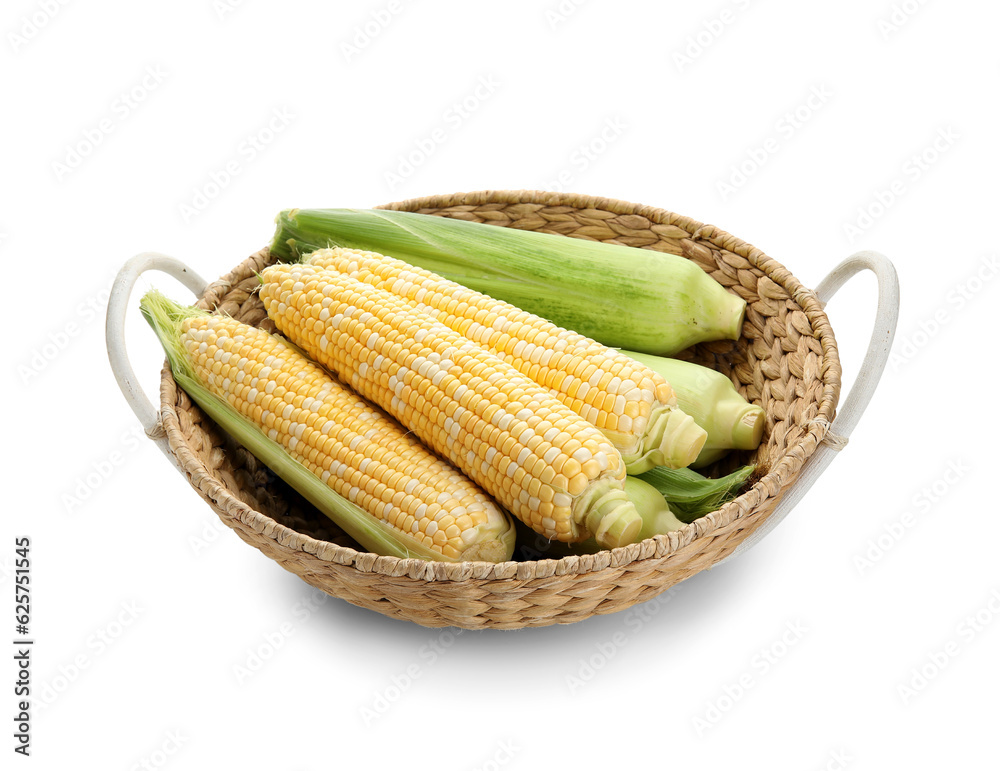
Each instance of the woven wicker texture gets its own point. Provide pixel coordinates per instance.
(786, 361)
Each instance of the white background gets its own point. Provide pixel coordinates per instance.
(147, 614)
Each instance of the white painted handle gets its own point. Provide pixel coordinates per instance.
(121, 291)
(864, 386)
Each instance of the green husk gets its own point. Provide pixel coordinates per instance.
(619, 295)
(655, 513)
(710, 398)
(165, 317)
(666, 499)
(692, 495)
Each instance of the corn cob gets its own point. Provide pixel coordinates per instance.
(347, 457)
(543, 462)
(625, 297)
(657, 519)
(713, 402)
(633, 406)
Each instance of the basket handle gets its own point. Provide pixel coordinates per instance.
(121, 292)
(861, 392)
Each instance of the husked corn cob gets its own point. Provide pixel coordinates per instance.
(634, 406)
(425, 505)
(539, 459)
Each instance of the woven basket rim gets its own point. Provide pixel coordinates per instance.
(781, 474)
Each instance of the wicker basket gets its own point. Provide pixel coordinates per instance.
(786, 361)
